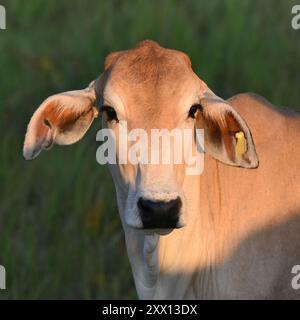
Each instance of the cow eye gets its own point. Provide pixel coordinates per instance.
(193, 110)
(110, 113)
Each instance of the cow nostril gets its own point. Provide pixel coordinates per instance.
(159, 214)
(146, 205)
(146, 208)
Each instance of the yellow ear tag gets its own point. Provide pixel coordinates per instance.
(241, 144)
(96, 113)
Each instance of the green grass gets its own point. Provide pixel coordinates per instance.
(60, 234)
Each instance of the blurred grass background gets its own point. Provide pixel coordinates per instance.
(60, 234)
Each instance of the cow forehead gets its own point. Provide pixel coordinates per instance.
(150, 77)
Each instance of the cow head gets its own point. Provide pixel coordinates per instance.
(148, 87)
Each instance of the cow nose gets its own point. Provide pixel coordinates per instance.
(159, 214)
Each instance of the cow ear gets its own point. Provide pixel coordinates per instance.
(61, 119)
(227, 136)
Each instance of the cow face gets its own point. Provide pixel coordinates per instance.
(147, 88)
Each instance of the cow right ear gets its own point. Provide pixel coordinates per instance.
(227, 135)
(61, 119)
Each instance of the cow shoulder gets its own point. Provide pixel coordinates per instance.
(264, 119)
(253, 104)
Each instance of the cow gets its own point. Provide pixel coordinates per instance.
(231, 232)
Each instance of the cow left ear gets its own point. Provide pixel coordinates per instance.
(226, 135)
(61, 119)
